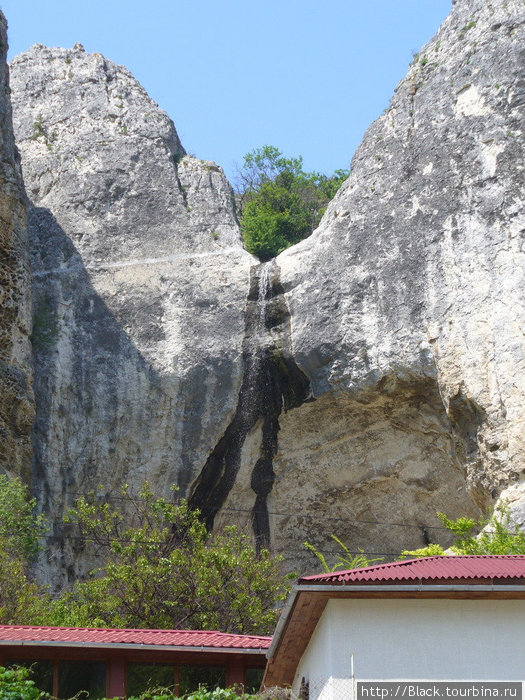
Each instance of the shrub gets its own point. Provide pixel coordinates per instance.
(163, 570)
(279, 203)
(345, 558)
(15, 684)
(498, 536)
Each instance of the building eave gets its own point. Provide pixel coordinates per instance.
(324, 592)
(133, 647)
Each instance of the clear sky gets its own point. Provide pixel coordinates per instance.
(303, 75)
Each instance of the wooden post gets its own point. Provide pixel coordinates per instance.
(235, 677)
(116, 686)
(177, 681)
(55, 678)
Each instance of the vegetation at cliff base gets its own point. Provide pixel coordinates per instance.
(279, 203)
(345, 559)
(159, 567)
(21, 529)
(163, 570)
(497, 535)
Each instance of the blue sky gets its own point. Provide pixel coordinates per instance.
(304, 76)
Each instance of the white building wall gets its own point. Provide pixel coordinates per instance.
(317, 661)
(409, 639)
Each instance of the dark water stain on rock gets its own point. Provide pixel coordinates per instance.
(272, 382)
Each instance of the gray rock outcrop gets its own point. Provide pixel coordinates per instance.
(16, 394)
(365, 379)
(140, 281)
(407, 304)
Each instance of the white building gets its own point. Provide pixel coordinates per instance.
(439, 618)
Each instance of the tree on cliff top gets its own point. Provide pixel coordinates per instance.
(162, 569)
(279, 203)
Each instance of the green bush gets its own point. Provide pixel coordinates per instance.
(499, 536)
(165, 571)
(21, 601)
(217, 694)
(160, 568)
(15, 684)
(345, 558)
(279, 203)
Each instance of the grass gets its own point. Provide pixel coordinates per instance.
(38, 129)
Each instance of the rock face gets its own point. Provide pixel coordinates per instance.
(16, 395)
(365, 379)
(140, 282)
(407, 304)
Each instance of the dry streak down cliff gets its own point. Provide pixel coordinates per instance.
(371, 375)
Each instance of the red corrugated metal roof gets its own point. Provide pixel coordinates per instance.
(438, 569)
(178, 638)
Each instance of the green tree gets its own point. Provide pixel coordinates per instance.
(264, 165)
(21, 530)
(279, 203)
(22, 601)
(499, 535)
(162, 569)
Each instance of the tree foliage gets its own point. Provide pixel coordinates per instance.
(217, 694)
(164, 570)
(160, 568)
(21, 531)
(15, 684)
(499, 535)
(280, 204)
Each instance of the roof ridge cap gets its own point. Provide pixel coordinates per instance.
(66, 628)
(383, 565)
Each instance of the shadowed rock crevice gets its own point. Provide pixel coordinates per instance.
(467, 417)
(468, 422)
(272, 382)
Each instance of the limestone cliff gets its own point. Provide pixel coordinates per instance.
(407, 304)
(16, 396)
(365, 379)
(140, 281)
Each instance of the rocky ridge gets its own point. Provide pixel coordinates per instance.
(139, 284)
(415, 342)
(365, 379)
